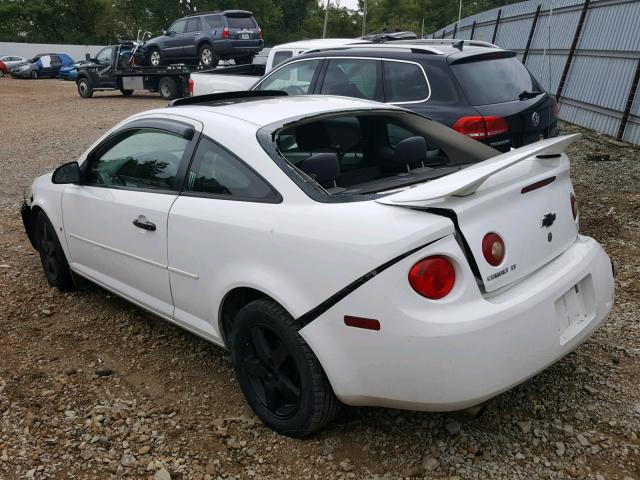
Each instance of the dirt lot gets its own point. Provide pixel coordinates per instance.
(170, 407)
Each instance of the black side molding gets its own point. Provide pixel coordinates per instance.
(314, 313)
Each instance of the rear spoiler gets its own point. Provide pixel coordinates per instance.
(465, 182)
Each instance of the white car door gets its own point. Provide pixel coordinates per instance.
(115, 220)
(208, 232)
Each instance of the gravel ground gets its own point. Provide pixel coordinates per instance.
(92, 387)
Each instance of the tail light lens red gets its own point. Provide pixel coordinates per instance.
(260, 33)
(556, 109)
(493, 249)
(481, 127)
(225, 32)
(191, 87)
(575, 210)
(433, 277)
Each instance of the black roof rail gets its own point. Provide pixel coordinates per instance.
(225, 96)
(221, 12)
(195, 14)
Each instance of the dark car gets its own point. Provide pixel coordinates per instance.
(42, 65)
(207, 38)
(479, 90)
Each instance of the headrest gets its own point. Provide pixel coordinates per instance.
(411, 151)
(322, 167)
(312, 136)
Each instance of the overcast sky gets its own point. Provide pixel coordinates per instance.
(345, 3)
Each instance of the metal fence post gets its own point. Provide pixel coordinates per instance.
(495, 28)
(572, 50)
(531, 33)
(473, 30)
(630, 98)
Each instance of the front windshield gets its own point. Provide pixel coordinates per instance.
(374, 153)
(34, 59)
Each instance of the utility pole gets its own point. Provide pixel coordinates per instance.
(326, 20)
(364, 19)
(422, 33)
(460, 11)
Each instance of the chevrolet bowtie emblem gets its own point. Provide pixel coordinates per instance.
(548, 220)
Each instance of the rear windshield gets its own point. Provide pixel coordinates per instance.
(241, 22)
(494, 81)
(356, 155)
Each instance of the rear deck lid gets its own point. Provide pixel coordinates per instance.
(523, 195)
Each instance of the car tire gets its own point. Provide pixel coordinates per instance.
(244, 60)
(278, 372)
(34, 75)
(126, 93)
(155, 58)
(168, 88)
(85, 89)
(207, 57)
(54, 262)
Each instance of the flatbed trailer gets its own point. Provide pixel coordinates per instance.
(171, 81)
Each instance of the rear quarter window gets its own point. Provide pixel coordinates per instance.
(214, 21)
(241, 22)
(405, 82)
(496, 80)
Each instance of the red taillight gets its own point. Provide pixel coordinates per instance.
(556, 108)
(493, 249)
(496, 126)
(225, 32)
(191, 86)
(481, 127)
(433, 277)
(260, 33)
(574, 207)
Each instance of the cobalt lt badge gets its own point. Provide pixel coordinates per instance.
(535, 119)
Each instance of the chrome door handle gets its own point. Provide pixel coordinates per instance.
(142, 222)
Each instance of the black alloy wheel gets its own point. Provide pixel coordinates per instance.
(278, 372)
(274, 375)
(52, 256)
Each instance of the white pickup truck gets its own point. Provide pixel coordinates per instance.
(243, 77)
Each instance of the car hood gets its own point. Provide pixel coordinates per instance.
(153, 41)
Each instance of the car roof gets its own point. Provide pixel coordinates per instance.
(264, 111)
(407, 50)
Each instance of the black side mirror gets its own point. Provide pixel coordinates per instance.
(165, 33)
(67, 173)
(87, 57)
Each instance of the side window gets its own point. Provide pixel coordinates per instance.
(405, 82)
(178, 27)
(216, 171)
(280, 57)
(215, 21)
(295, 78)
(353, 78)
(193, 25)
(55, 61)
(104, 55)
(143, 158)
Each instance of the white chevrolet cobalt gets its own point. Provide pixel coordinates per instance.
(343, 250)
